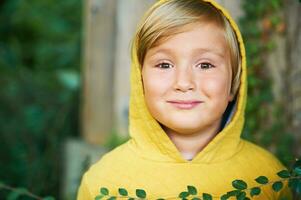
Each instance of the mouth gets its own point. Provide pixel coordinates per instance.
(185, 105)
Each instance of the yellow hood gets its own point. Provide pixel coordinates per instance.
(150, 160)
(149, 138)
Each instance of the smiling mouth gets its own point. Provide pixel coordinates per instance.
(185, 105)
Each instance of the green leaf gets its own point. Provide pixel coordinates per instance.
(48, 198)
(131, 198)
(123, 192)
(160, 199)
(104, 191)
(112, 198)
(183, 194)
(284, 174)
(13, 195)
(277, 186)
(298, 187)
(297, 170)
(255, 191)
(233, 193)
(22, 190)
(191, 190)
(241, 196)
(297, 163)
(196, 198)
(262, 180)
(140, 193)
(239, 184)
(225, 197)
(292, 183)
(98, 197)
(207, 196)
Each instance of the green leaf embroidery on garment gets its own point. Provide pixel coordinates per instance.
(112, 198)
(207, 196)
(241, 196)
(104, 191)
(233, 193)
(122, 192)
(140, 193)
(277, 186)
(98, 197)
(262, 180)
(284, 174)
(255, 191)
(225, 197)
(191, 190)
(239, 184)
(183, 194)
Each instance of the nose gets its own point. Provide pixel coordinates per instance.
(184, 80)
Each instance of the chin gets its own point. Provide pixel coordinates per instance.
(186, 129)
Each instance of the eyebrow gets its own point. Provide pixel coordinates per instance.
(195, 51)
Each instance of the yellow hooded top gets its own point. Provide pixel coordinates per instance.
(150, 161)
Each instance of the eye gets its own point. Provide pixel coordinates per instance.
(164, 65)
(205, 65)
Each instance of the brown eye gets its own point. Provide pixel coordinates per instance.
(205, 65)
(164, 65)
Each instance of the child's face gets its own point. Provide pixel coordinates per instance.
(187, 79)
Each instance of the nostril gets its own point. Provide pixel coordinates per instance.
(184, 86)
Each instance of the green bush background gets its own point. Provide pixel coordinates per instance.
(39, 99)
(40, 49)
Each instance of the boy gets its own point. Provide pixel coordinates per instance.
(188, 96)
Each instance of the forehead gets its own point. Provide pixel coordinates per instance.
(193, 39)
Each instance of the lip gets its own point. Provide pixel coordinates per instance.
(185, 104)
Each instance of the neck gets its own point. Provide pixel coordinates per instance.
(190, 144)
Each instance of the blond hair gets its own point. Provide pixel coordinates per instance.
(169, 17)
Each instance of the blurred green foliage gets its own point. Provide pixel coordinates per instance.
(265, 118)
(39, 79)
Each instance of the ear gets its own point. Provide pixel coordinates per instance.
(230, 97)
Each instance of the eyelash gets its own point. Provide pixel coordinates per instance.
(164, 63)
(207, 63)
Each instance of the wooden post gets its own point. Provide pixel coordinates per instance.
(98, 63)
(234, 8)
(291, 86)
(129, 13)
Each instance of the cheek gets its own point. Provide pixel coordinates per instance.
(216, 86)
(155, 84)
